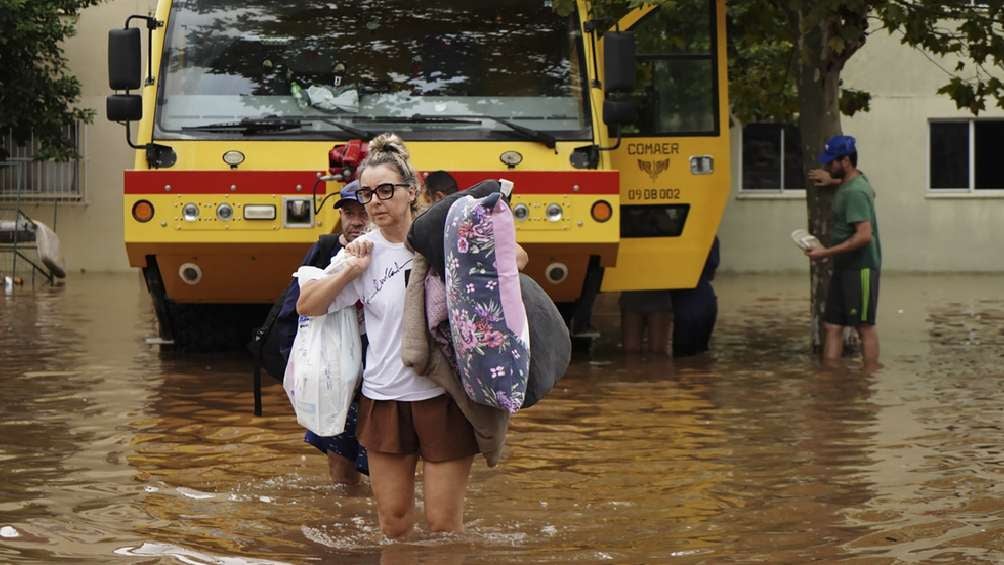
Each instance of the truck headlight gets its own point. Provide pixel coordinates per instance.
(520, 212)
(190, 212)
(225, 212)
(554, 212)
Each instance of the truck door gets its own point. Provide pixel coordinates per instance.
(674, 159)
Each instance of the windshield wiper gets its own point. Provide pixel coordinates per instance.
(421, 119)
(526, 133)
(363, 134)
(275, 124)
(248, 126)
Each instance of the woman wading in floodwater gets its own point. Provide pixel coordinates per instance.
(402, 415)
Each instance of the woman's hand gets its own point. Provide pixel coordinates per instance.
(361, 253)
(521, 257)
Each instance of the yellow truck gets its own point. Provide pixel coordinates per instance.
(614, 130)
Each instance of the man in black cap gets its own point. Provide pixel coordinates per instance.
(855, 248)
(346, 457)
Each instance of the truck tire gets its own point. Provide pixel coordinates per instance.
(200, 327)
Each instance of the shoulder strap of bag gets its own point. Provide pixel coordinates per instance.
(260, 333)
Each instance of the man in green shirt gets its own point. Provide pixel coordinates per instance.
(855, 248)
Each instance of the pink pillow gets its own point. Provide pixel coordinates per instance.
(487, 316)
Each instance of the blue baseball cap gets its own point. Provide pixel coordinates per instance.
(348, 192)
(836, 147)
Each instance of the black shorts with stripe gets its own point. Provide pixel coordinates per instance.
(853, 297)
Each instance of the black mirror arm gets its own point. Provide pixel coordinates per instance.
(129, 137)
(616, 145)
(151, 24)
(157, 156)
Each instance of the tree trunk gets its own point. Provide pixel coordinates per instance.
(819, 118)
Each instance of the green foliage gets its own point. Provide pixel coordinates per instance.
(763, 64)
(37, 92)
(974, 34)
(854, 101)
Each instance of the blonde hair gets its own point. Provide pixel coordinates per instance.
(388, 149)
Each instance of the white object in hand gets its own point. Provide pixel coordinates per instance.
(805, 240)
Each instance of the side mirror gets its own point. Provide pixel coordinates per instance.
(619, 78)
(125, 67)
(124, 107)
(618, 61)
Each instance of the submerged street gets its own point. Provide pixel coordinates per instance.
(112, 451)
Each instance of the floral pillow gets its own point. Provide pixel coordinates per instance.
(487, 317)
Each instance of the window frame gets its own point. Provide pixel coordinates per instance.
(971, 191)
(765, 192)
(712, 55)
(74, 170)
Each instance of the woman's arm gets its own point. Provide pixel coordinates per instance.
(317, 295)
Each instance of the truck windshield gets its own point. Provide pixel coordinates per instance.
(372, 65)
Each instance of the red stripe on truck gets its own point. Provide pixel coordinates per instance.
(220, 182)
(301, 182)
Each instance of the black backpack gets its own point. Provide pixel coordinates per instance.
(264, 345)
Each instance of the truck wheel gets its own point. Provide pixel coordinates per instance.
(214, 327)
(578, 315)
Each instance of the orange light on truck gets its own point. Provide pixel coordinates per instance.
(142, 211)
(602, 211)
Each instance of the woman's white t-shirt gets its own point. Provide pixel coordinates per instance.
(381, 290)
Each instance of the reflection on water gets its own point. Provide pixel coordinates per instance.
(112, 451)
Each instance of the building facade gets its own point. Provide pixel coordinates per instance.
(940, 189)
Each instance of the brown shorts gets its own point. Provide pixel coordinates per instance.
(435, 428)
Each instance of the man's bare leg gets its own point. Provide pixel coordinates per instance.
(833, 348)
(632, 325)
(659, 329)
(869, 342)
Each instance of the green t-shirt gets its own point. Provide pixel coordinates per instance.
(854, 202)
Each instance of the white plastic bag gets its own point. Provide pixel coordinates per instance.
(325, 365)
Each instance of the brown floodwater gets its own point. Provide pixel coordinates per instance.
(112, 451)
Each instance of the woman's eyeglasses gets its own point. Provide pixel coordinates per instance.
(382, 191)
